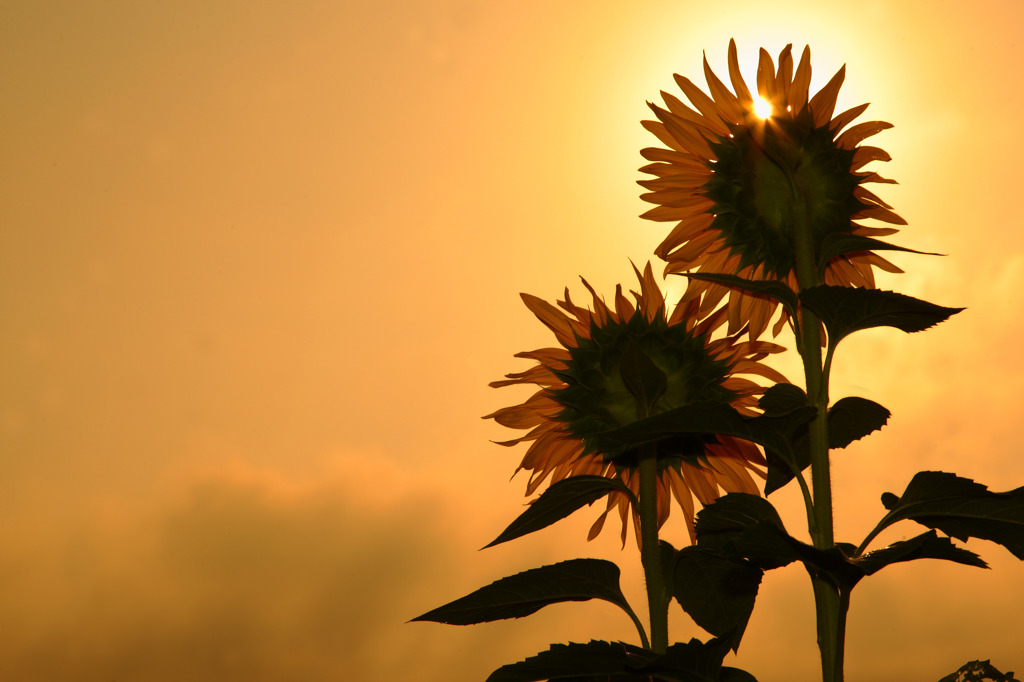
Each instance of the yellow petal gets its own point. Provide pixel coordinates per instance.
(823, 104)
(738, 84)
(801, 82)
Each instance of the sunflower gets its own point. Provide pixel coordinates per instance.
(739, 185)
(584, 392)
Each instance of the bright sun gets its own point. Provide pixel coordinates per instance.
(762, 107)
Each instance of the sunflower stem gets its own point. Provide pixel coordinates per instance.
(830, 605)
(650, 551)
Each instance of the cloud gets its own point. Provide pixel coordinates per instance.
(243, 574)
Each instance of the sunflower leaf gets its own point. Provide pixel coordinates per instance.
(852, 418)
(836, 244)
(741, 526)
(979, 671)
(845, 310)
(559, 501)
(527, 592)
(774, 290)
(928, 545)
(782, 399)
(693, 661)
(960, 508)
(748, 527)
(715, 418)
(718, 592)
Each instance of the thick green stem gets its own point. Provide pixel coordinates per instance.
(829, 605)
(831, 616)
(650, 552)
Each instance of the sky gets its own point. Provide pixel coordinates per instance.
(260, 260)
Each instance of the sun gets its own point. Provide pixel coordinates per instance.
(762, 107)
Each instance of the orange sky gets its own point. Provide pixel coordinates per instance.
(260, 260)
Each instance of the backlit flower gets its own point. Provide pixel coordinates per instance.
(585, 392)
(739, 185)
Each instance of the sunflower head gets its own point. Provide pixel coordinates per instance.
(625, 370)
(619, 364)
(743, 189)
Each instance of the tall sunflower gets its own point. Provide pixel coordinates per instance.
(738, 185)
(584, 392)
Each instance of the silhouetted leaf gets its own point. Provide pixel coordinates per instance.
(527, 592)
(559, 501)
(709, 417)
(837, 244)
(772, 289)
(577, 661)
(668, 556)
(782, 399)
(979, 671)
(925, 546)
(644, 380)
(776, 432)
(960, 508)
(744, 526)
(738, 525)
(597, 661)
(718, 592)
(852, 418)
(845, 310)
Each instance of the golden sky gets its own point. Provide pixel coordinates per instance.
(260, 260)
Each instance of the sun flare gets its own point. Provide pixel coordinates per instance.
(762, 107)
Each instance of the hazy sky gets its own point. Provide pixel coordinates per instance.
(259, 260)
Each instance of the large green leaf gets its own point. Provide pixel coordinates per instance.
(559, 501)
(718, 592)
(925, 546)
(960, 508)
(598, 661)
(527, 592)
(738, 525)
(849, 419)
(845, 310)
(852, 418)
(775, 290)
(748, 527)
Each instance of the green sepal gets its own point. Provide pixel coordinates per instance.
(845, 310)
(772, 289)
(527, 592)
(717, 591)
(852, 418)
(559, 501)
(979, 671)
(598, 661)
(642, 377)
(960, 508)
(837, 244)
(927, 545)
